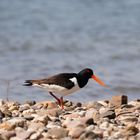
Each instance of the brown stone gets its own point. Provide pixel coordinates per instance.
(117, 101)
(7, 126)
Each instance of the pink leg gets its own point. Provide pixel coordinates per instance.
(58, 100)
(62, 103)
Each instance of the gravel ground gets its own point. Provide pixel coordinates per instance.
(113, 119)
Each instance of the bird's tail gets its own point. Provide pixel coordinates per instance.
(28, 83)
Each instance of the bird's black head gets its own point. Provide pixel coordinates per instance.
(84, 75)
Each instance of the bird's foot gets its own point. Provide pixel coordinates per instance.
(60, 101)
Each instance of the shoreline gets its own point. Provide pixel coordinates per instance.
(110, 119)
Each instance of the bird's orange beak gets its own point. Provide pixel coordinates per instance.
(98, 80)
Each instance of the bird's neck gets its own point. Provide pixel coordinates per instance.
(82, 81)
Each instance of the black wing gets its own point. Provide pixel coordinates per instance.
(59, 79)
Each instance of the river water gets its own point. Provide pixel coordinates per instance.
(39, 38)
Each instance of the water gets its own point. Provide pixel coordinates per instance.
(42, 38)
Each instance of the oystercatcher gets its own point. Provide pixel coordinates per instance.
(64, 83)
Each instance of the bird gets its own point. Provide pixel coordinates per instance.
(63, 84)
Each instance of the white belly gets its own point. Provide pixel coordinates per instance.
(58, 89)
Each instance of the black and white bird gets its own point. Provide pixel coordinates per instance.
(64, 83)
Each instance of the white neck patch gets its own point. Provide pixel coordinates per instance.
(74, 80)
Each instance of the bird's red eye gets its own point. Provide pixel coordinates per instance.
(87, 71)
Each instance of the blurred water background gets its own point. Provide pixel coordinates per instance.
(39, 38)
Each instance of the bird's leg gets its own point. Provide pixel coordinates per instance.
(58, 100)
(61, 102)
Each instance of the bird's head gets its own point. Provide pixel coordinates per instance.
(88, 73)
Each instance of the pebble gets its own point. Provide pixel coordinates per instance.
(30, 102)
(131, 130)
(109, 120)
(8, 134)
(95, 105)
(32, 126)
(24, 107)
(50, 112)
(43, 119)
(17, 121)
(57, 133)
(7, 126)
(109, 114)
(89, 135)
(23, 134)
(76, 132)
(35, 136)
(104, 125)
(90, 113)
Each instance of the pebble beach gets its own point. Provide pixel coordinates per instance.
(112, 119)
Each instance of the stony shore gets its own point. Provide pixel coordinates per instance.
(113, 119)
